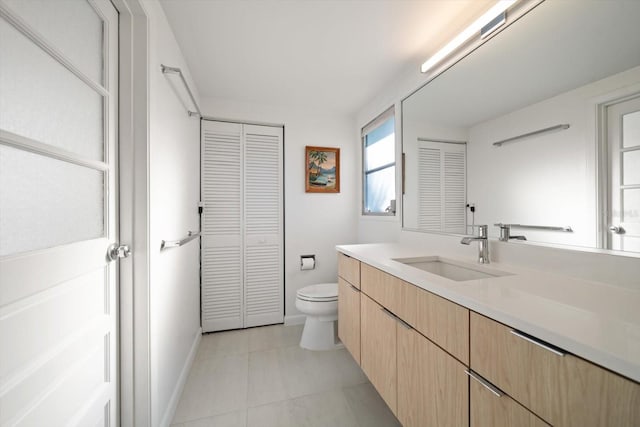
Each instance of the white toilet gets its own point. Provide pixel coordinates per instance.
(320, 304)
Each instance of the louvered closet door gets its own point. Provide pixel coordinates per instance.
(263, 251)
(222, 292)
(442, 186)
(242, 226)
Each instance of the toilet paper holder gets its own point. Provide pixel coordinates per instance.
(307, 262)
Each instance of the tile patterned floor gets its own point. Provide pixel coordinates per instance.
(260, 377)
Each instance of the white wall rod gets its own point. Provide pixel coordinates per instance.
(175, 70)
(537, 132)
(177, 243)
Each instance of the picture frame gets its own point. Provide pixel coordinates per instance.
(322, 169)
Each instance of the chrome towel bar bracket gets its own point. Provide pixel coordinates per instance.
(177, 243)
(175, 70)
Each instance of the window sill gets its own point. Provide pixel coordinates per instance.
(381, 218)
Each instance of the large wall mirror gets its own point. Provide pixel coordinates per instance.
(539, 127)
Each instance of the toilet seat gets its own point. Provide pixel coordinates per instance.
(324, 292)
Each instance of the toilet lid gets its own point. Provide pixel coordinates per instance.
(321, 292)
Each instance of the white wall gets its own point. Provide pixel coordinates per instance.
(548, 179)
(314, 223)
(174, 156)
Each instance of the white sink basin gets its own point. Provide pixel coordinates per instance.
(453, 270)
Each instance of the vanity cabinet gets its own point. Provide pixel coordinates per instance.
(396, 295)
(564, 390)
(495, 409)
(433, 387)
(349, 269)
(349, 315)
(421, 383)
(444, 322)
(378, 357)
(436, 363)
(349, 304)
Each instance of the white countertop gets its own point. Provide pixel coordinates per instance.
(596, 321)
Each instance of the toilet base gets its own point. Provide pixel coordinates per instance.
(320, 333)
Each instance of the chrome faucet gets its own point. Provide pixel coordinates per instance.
(505, 233)
(483, 243)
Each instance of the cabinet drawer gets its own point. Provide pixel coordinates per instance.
(396, 295)
(349, 269)
(349, 317)
(445, 323)
(490, 410)
(564, 390)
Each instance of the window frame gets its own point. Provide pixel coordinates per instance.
(367, 129)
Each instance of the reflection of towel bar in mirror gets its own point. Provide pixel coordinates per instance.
(175, 70)
(177, 243)
(566, 229)
(537, 132)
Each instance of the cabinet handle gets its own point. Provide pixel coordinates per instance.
(403, 323)
(394, 317)
(532, 340)
(354, 288)
(388, 313)
(486, 384)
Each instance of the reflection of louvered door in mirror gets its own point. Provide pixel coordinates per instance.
(242, 225)
(442, 186)
(58, 195)
(624, 174)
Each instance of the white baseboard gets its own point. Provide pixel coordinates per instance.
(182, 380)
(294, 319)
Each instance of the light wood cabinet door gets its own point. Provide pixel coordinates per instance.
(445, 323)
(378, 351)
(562, 390)
(349, 317)
(349, 269)
(396, 295)
(490, 410)
(433, 387)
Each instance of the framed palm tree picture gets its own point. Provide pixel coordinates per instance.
(323, 170)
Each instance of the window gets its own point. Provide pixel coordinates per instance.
(379, 165)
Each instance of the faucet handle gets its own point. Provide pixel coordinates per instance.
(505, 231)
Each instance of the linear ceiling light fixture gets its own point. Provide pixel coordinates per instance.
(486, 24)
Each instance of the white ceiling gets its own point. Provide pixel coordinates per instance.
(332, 55)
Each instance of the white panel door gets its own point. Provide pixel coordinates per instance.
(624, 175)
(222, 292)
(58, 204)
(263, 251)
